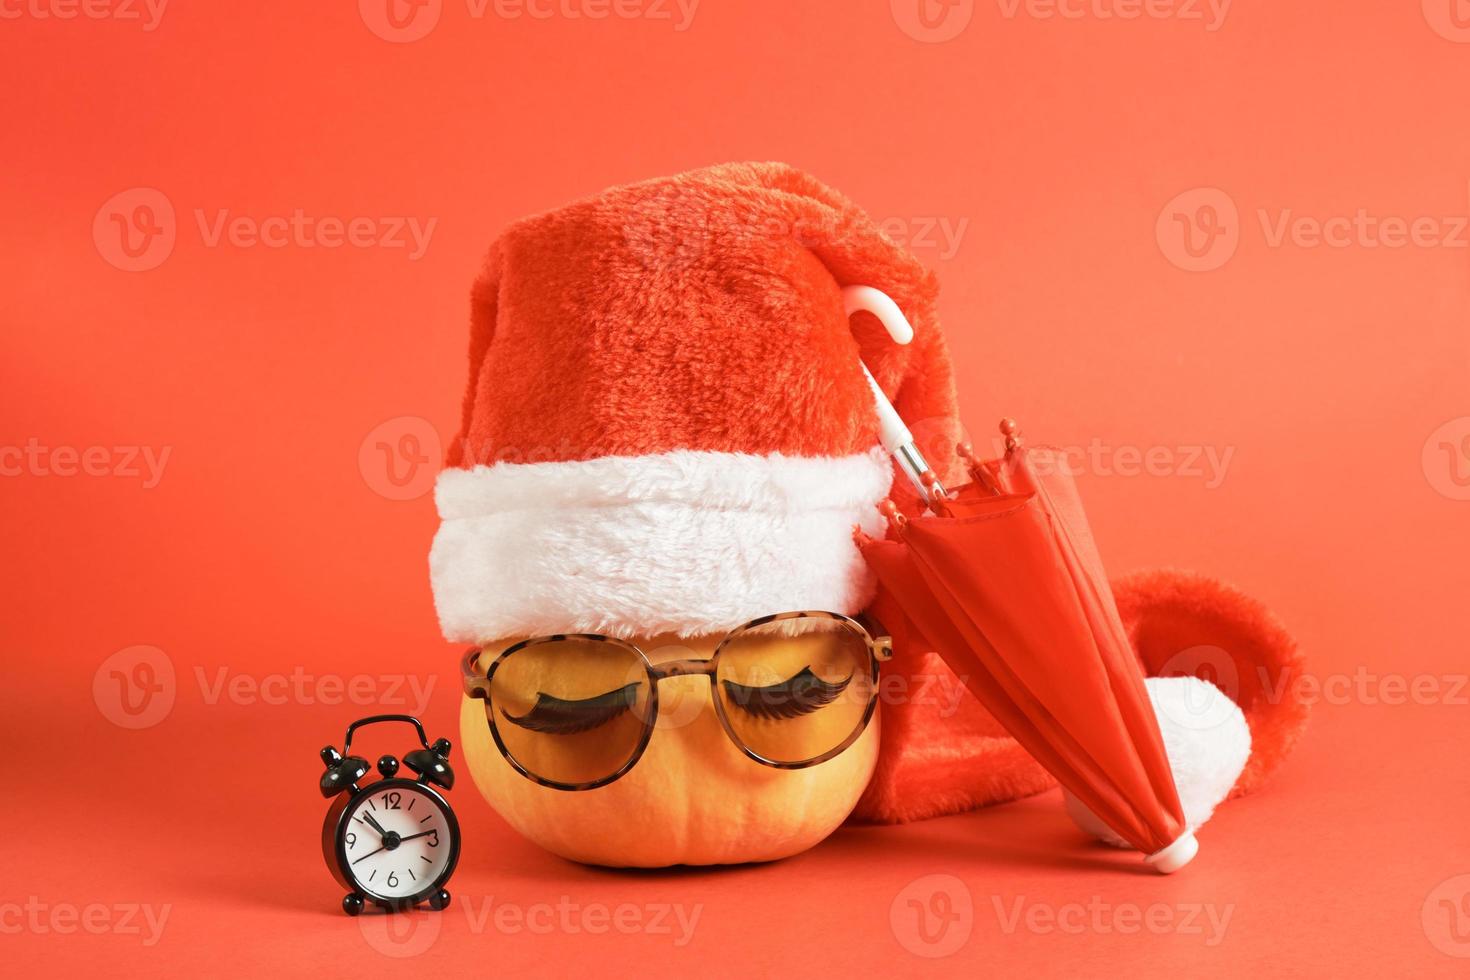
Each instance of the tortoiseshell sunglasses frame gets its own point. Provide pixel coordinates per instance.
(477, 685)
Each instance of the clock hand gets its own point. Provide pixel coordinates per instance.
(375, 825)
(365, 856)
(425, 833)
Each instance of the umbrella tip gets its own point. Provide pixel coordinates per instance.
(1176, 855)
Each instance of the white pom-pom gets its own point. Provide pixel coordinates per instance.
(1207, 741)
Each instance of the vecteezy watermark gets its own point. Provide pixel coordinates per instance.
(939, 235)
(136, 230)
(400, 21)
(145, 463)
(1208, 464)
(402, 935)
(1369, 687)
(936, 21)
(1198, 230)
(39, 917)
(1446, 459)
(1210, 13)
(1096, 916)
(417, 932)
(1445, 916)
(1361, 686)
(305, 688)
(932, 21)
(147, 13)
(1450, 19)
(137, 687)
(933, 916)
(404, 21)
(657, 243)
(944, 692)
(675, 921)
(399, 458)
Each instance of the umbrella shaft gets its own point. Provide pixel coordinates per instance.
(915, 467)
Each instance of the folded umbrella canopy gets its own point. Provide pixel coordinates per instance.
(1004, 580)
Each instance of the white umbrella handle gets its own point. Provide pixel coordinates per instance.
(892, 433)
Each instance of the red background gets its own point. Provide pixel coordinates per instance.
(1054, 144)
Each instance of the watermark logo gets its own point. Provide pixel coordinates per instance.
(403, 21)
(1208, 464)
(34, 459)
(39, 917)
(1210, 13)
(147, 13)
(406, 935)
(680, 13)
(1206, 920)
(932, 21)
(1194, 707)
(1446, 916)
(408, 691)
(933, 916)
(402, 935)
(135, 229)
(660, 245)
(138, 686)
(1367, 687)
(673, 921)
(135, 687)
(936, 235)
(400, 21)
(1446, 459)
(399, 458)
(1450, 19)
(1199, 229)
(1361, 686)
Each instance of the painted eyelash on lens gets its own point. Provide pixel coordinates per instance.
(801, 695)
(552, 715)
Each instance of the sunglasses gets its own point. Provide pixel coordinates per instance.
(575, 711)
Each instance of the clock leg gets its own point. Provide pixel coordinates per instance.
(352, 903)
(439, 901)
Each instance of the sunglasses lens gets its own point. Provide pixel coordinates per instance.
(795, 690)
(570, 711)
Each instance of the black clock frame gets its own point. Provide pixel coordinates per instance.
(342, 781)
(334, 846)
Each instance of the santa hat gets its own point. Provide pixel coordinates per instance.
(667, 430)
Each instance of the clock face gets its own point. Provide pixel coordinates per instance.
(398, 840)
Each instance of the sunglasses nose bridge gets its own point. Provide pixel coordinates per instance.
(683, 668)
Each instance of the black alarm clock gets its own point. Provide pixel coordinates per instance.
(393, 842)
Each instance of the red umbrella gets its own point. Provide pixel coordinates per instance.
(1004, 580)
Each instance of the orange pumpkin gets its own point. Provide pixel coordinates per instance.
(693, 797)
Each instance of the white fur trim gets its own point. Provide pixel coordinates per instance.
(1207, 741)
(682, 542)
